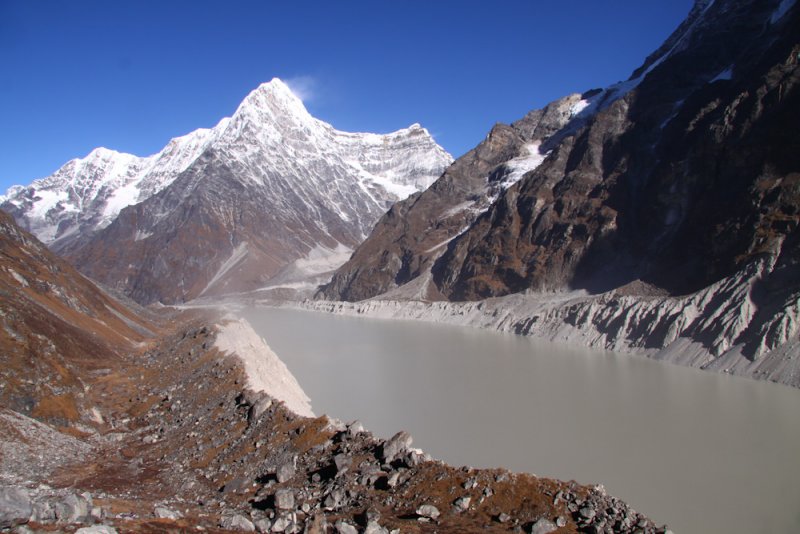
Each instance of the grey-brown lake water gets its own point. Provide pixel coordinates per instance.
(699, 451)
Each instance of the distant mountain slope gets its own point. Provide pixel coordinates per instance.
(682, 179)
(57, 328)
(269, 194)
(86, 194)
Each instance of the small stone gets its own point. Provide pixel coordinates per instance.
(429, 511)
(237, 522)
(262, 525)
(72, 509)
(470, 484)
(543, 526)
(15, 507)
(257, 409)
(237, 485)
(342, 463)
(97, 529)
(355, 428)
(371, 514)
(282, 524)
(162, 512)
(334, 499)
(345, 528)
(504, 518)
(285, 471)
(43, 512)
(374, 528)
(587, 513)
(393, 479)
(561, 522)
(284, 499)
(462, 504)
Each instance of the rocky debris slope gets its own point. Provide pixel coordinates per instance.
(199, 448)
(271, 193)
(108, 424)
(681, 181)
(265, 371)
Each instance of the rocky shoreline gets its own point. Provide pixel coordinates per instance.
(693, 330)
(197, 448)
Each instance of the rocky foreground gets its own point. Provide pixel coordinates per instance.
(178, 441)
(114, 418)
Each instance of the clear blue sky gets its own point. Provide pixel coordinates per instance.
(130, 75)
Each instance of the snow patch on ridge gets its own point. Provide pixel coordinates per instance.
(121, 198)
(726, 74)
(529, 160)
(578, 107)
(265, 371)
(781, 10)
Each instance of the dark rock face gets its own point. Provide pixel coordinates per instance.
(678, 178)
(414, 232)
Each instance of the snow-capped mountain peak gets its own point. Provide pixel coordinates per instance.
(270, 167)
(276, 100)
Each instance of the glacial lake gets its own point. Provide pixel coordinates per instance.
(699, 451)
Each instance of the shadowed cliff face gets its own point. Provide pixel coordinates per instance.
(677, 178)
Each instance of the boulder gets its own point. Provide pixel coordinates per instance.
(395, 446)
(343, 527)
(286, 471)
(263, 525)
(73, 509)
(162, 512)
(284, 499)
(462, 504)
(374, 528)
(15, 507)
(342, 463)
(237, 522)
(97, 529)
(256, 410)
(543, 526)
(429, 511)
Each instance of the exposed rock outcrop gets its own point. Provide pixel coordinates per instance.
(681, 181)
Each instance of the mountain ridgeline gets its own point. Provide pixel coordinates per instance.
(678, 177)
(269, 197)
(684, 176)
